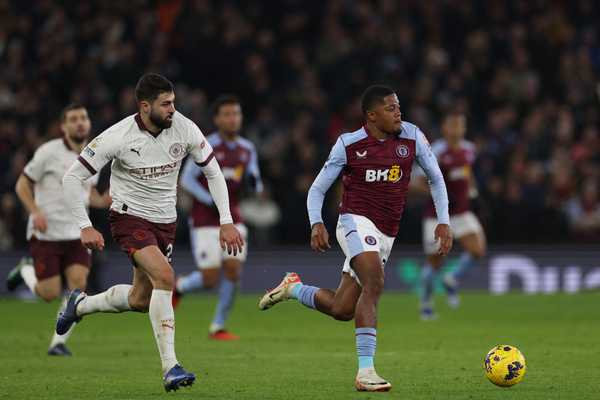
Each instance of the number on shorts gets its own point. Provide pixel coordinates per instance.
(169, 253)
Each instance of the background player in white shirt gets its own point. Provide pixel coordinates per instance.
(52, 234)
(146, 151)
(239, 162)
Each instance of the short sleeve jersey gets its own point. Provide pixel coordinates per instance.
(456, 166)
(145, 166)
(238, 159)
(46, 169)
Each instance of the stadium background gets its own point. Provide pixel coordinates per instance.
(525, 72)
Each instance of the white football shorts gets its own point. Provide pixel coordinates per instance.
(357, 234)
(207, 248)
(460, 225)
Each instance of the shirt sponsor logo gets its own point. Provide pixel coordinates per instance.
(233, 174)
(393, 174)
(402, 151)
(147, 173)
(459, 173)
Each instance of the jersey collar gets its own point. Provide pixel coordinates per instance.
(142, 126)
(68, 145)
(374, 138)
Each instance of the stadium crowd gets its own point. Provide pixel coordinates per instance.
(525, 73)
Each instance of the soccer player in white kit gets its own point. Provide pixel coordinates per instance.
(146, 151)
(52, 234)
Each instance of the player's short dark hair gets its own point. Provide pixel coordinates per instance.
(70, 107)
(374, 94)
(150, 86)
(223, 100)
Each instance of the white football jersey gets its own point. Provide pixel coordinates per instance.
(46, 169)
(145, 167)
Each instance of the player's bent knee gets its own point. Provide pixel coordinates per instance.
(165, 278)
(478, 253)
(232, 274)
(341, 314)
(374, 287)
(139, 303)
(210, 278)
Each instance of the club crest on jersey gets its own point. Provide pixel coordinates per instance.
(402, 151)
(370, 240)
(393, 174)
(176, 150)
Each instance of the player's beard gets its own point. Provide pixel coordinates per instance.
(78, 138)
(160, 122)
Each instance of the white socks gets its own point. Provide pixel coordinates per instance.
(28, 274)
(113, 300)
(162, 318)
(56, 338)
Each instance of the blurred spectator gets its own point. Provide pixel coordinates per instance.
(526, 73)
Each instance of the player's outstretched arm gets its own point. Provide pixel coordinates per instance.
(428, 162)
(319, 238)
(230, 237)
(72, 187)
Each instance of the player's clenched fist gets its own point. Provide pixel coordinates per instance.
(231, 239)
(92, 239)
(443, 234)
(319, 238)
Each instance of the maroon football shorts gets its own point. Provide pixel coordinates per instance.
(50, 258)
(134, 233)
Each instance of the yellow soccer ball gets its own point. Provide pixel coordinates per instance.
(504, 365)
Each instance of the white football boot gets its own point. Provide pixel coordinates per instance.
(280, 293)
(367, 380)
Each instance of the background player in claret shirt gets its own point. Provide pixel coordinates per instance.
(455, 156)
(239, 163)
(146, 151)
(375, 162)
(53, 235)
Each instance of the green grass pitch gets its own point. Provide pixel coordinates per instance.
(290, 352)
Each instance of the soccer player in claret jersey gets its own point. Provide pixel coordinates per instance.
(239, 163)
(455, 156)
(375, 162)
(53, 235)
(146, 151)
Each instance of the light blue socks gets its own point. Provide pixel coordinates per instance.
(305, 294)
(366, 343)
(465, 263)
(227, 292)
(427, 275)
(190, 282)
